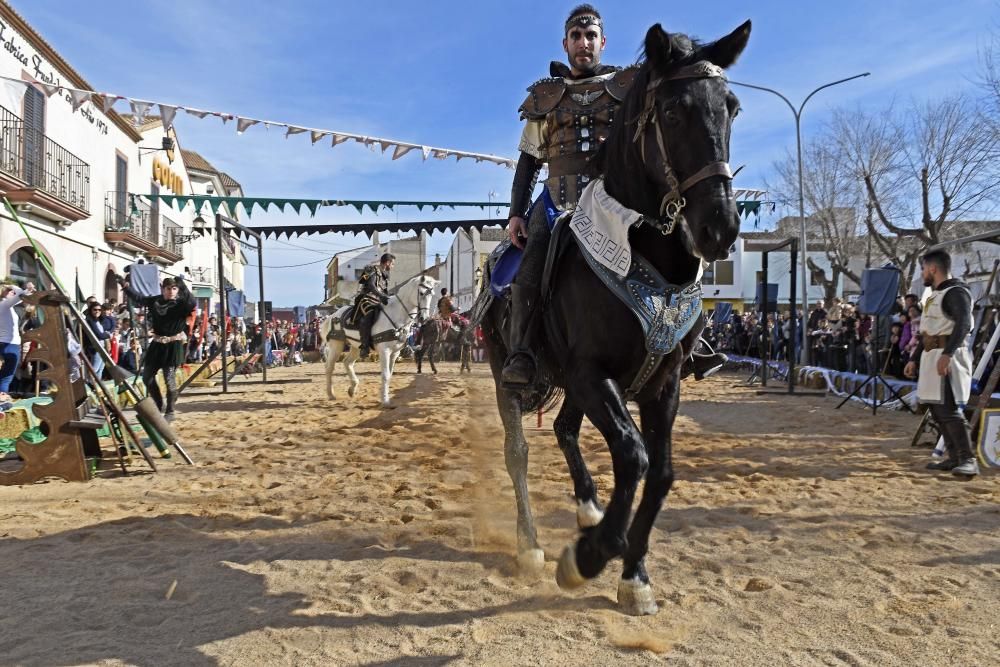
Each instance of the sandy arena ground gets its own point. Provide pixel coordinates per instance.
(328, 533)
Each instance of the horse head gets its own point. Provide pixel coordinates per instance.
(674, 129)
(417, 295)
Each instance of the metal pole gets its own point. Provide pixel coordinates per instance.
(222, 299)
(792, 333)
(802, 214)
(260, 308)
(765, 339)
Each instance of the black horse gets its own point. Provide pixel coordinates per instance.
(668, 149)
(433, 334)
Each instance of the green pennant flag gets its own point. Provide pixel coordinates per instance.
(313, 206)
(167, 199)
(182, 203)
(420, 206)
(358, 205)
(214, 203)
(373, 207)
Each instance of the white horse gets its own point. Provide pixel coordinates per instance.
(411, 301)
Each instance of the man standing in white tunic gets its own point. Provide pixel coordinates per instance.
(945, 379)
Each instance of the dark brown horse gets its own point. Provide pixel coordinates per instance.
(434, 334)
(669, 144)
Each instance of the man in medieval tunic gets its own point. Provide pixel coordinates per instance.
(945, 378)
(567, 117)
(168, 315)
(374, 294)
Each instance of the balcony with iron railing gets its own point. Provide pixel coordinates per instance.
(130, 223)
(36, 171)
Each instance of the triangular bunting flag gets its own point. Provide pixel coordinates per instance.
(384, 145)
(294, 130)
(426, 151)
(317, 135)
(243, 124)
(167, 199)
(139, 110)
(79, 97)
(197, 113)
(49, 90)
(182, 203)
(312, 206)
(107, 101)
(338, 139)
(359, 206)
(167, 113)
(401, 151)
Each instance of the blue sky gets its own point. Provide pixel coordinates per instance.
(452, 74)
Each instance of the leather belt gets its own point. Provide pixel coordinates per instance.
(934, 342)
(565, 165)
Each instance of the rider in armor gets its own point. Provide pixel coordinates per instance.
(446, 309)
(374, 294)
(567, 117)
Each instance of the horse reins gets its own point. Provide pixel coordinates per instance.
(673, 202)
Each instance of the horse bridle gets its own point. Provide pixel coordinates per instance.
(673, 202)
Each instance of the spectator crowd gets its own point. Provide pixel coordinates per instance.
(839, 337)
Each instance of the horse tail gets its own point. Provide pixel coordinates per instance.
(541, 397)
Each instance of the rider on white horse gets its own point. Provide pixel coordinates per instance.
(374, 294)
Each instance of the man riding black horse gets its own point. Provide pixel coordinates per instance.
(568, 117)
(374, 294)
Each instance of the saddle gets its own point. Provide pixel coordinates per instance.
(666, 312)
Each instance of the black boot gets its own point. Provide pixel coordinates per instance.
(943, 464)
(519, 369)
(168, 409)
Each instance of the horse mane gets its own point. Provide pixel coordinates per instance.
(618, 155)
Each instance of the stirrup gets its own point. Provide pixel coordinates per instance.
(509, 383)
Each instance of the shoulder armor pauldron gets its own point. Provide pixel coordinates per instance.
(619, 85)
(543, 96)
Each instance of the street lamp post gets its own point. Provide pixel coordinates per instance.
(802, 207)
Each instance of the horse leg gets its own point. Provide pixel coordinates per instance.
(530, 557)
(604, 406)
(349, 360)
(418, 356)
(385, 361)
(433, 353)
(567, 428)
(635, 595)
(333, 350)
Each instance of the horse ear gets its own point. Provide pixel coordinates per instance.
(657, 47)
(725, 51)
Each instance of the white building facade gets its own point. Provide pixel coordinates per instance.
(70, 170)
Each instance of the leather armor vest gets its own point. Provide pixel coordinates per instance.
(577, 117)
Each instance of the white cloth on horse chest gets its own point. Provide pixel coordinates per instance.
(341, 324)
(665, 311)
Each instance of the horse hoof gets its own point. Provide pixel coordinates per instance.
(635, 597)
(588, 514)
(351, 392)
(531, 561)
(567, 574)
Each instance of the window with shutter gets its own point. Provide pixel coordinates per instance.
(121, 188)
(34, 137)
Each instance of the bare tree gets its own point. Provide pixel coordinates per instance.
(834, 195)
(922, 172)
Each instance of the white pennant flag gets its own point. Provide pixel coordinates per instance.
(139, 110)
(293, 130)
(338, 139)
(49, 90)
(197, 113)
(107, 101)
(426, 151)
(401, 151)
(79, 97)
(317, 135)
(167, 113)
(13, 93)
(243, 124)
(384, 145)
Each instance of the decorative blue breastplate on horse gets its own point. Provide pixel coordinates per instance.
(665, 311)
